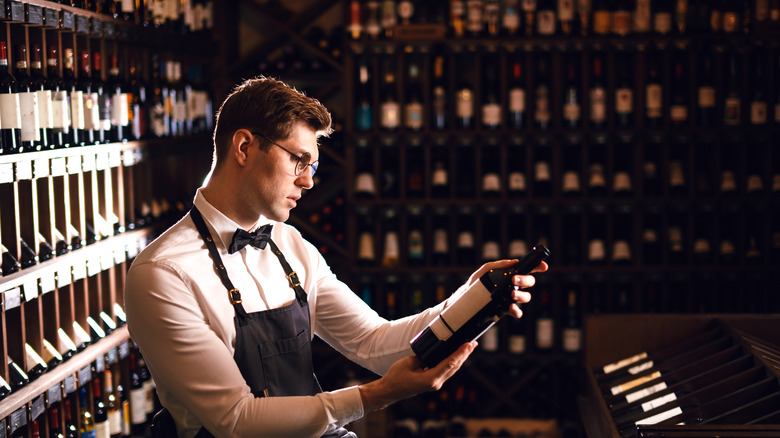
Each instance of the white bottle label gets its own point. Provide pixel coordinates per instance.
(624, 100)
(119, 110)
(137, 406)
(45, 116)
(28, 105)
(91, 111)
(491, 114)
(598, 105)
(642, 393)
(706, 97)
(390, 115)
(517, 100)
(459, 312)
(10, 111)
(101, 430)
(544, 332)
(464, 106)
(77, 109)
(60, 110)
(572, 339)
(609, 368)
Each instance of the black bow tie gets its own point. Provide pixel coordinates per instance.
(258, 238)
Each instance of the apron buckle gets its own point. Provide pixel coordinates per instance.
(235, 296)
(293, 277)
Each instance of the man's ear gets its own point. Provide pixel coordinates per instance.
(242, 138)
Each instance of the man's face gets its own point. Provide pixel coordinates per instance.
(275, 188)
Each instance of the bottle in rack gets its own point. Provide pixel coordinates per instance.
(92, 131)
(732, 99)
(542, 93)
(86, 420)
(571, 96)
(10, 116)
(464, 98)
(653, 93)
(678, 103)
(624, 91)
(78, 135)
(597, 95)
(705, 92)
(364, 116)
(138, 113)
(758, 86)
(60, 103)
(491, 106)
(44, 96)
(414, 114)
(516, 101)
(99, 411)
(389, 106)
(439, 94)
(28, 104)
(103, 132)
(118, 93)
(440, 242)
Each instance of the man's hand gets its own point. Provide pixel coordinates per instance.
(408, 377)
(520, 281)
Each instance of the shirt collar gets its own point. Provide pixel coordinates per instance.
(222, 226)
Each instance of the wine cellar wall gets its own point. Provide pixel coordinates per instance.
(104, 119)
(645, 157)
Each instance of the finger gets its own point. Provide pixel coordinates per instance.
(498, 264)
(446, 368)
(520, 297)
(542, 267)
(515, 311)
(523, 281)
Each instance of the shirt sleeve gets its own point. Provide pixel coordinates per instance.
(196, 375)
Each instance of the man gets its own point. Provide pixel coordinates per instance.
(225, 329)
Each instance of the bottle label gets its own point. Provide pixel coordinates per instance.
(655, 419)
(414, 115)
(392, 250)
(642, 393)
(45, 116)
(601, 22)
(565, 10)
(489, 341)
(624, 100)
(596, 176)
(660, 401)
(77, 109)
(390, 115)
(115, 422)
(758, 113)
(662, 22)
(28, 105)
(439, 178)
(544, 333)
(596, 250)
(104, 111)
(465, 239)
(137, 406)
(612, 367)
(619, 389)
(517, 100)
(571, 181)
(542, 113)
(101, 430)
(542, 171)
(653, 96)
(158, 120)
(460, 311)
(571, 111)
(440, 243)
(706, 97)
(678, 113)
(491, 182)
(642, 16)
(60, 110)
(598, 105)
(731, 111)
(516, 344)
(10, 111)
(120, 110)
(491, 251)
(464, 106)
(91, 111)
(491, 114)
(572, 339)
(128, 6)
(545, 22)
(517, 181)
(416, 244)
(366, 247)
(518, 248)
(621, 22)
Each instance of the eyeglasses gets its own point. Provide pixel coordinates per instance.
(301, 163)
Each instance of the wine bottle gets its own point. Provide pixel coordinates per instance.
(28, 103)
(545, 17)
(476, 310)
(516, 98)
(5, 388)
(731, 17)
(602, 17)
(542, 94)
(492, 17)
(390, 181)
(571, 332)
(10, 110)
(45, 251)
(391, 248)
(516, 171)
(86, 421)
(78, 134)
(491, 236)
(365, 183)
(621, 241)
(10, 264)
(364, 117)
(597, 95)
(597, 242)
(60, 102)
(389, 107)
(464, 101)
(27, 257)
(92, 131)
(621, 19)
(44, 97)
(440, 246)
(119, 96)
(35, 363)
(415, 248)
(678, 105)
(104, 100)
(758, 96)
(732, 100)
(529, 11)
(415, 159)
(542, 177)
(465, 250)
(571, 96)
(571, 185)
(543, 320)
(467, 181)
(138, 114)
(439, 119)
(510, 17)
(66, 347)
(624, 92)
(491, 106)
(474, 17)
(99, 412)
(137, 397)
(653, 95)
(158, 116)
(705, 93)
(55, 430)
(413, 106)
(16, 376)
(440, 181)
(566, 12)
(622, 168)
(663, 17)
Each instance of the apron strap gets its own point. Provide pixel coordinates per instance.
(291, 275)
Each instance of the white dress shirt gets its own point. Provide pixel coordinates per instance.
(180, 315)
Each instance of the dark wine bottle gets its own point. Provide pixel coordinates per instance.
(119, 96)
(9, 262)
(99, 411)
(476, 310)
(439, 98)
(16, 376)
(28, 103)
(597, 95)
(77, 135)
(572, 104)
(516, 98)
(44, 95)
(364, 111)
(103, 130)
(11, 115)
(28, 257)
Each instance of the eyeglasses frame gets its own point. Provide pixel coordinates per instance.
(314, 165)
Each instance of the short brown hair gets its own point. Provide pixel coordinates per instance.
(270, 107)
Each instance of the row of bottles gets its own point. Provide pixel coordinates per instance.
(187, 17)
(597, 89)
(619, 235)
(113, 396)
(43, 112)
(571, 168)
(383, 19)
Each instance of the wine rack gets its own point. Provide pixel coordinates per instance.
(643, 158)
(85, 195)
(681, 375)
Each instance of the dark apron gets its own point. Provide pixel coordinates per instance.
(273, 347)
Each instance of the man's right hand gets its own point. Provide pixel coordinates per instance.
(408, 377)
